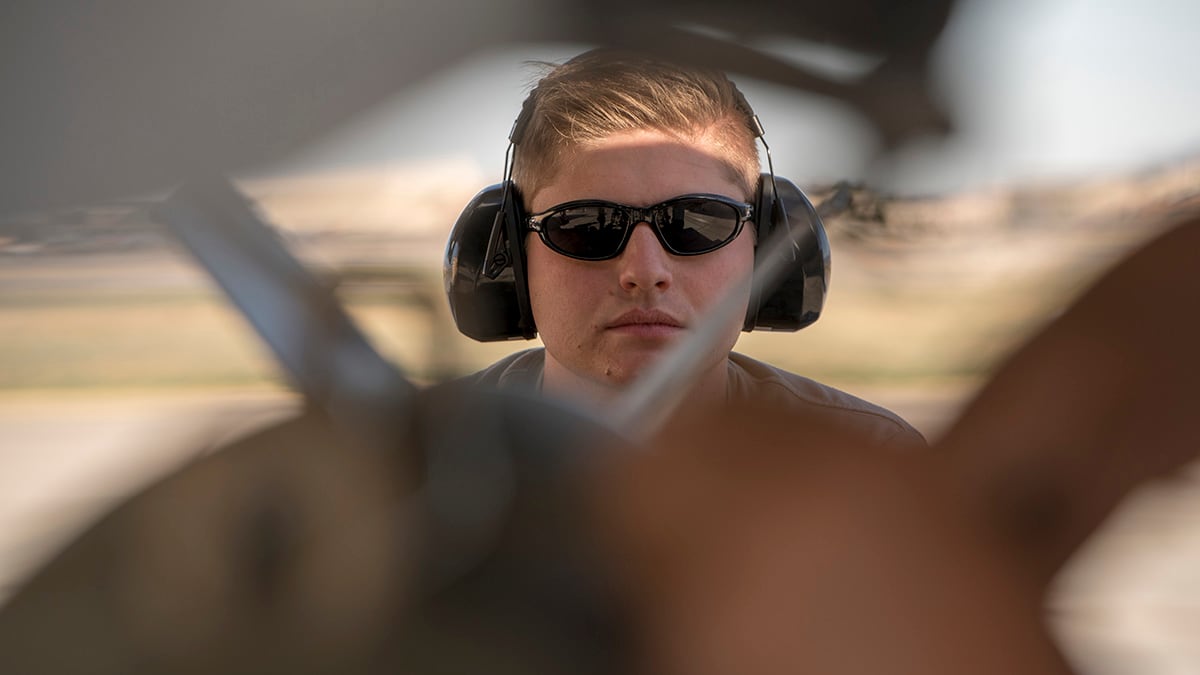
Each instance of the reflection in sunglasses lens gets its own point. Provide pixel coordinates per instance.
(597, 231)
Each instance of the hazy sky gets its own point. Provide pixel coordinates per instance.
(1038, 88)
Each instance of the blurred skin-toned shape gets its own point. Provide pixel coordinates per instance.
(755, 542)
(750, 541)
(1103, 400)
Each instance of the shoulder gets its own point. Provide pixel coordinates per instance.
(749, 377)
(522, 369)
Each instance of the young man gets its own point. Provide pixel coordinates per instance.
(612, 141)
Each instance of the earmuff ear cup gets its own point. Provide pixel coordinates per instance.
(797, 300)
(484, 268)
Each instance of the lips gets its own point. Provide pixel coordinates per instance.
(645, 317)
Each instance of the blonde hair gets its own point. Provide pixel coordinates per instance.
(607, 91)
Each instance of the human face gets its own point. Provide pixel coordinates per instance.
(603, 322)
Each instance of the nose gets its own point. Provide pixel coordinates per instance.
(644, 264)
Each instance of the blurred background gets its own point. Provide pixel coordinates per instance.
(1076, 137)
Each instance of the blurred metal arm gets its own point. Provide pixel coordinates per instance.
(329, 359)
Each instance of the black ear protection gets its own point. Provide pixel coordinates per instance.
(485, 276)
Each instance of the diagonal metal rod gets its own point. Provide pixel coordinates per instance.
(335, 367)
(655, 396)
(330, 361)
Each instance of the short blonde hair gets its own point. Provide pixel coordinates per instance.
(607, 91)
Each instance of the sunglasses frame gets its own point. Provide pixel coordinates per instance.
(641, 214)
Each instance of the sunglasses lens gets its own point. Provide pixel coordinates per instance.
(597, 230)
(697, 225)
(590, 232)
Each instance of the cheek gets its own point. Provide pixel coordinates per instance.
(726, 267)
(558, 286)
(541, 277)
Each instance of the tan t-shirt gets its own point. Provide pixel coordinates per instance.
(748, 379)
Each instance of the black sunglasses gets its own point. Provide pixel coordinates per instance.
(591, 229)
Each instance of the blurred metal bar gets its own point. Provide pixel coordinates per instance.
(329, 359)
(132, 96)
(642, 410)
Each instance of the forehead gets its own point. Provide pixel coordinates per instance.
(641, 168)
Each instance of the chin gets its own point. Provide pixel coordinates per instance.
(625, 372)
